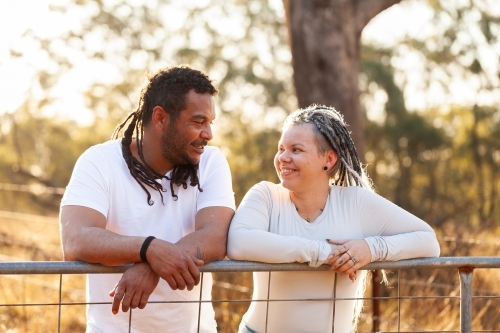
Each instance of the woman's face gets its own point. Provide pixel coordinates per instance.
(298, 162)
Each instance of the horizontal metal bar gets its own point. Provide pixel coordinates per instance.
(57, 267)
(238, 300)
(76, 267)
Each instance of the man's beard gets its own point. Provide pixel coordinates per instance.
(174, 147)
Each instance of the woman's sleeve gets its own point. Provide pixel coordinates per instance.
(249, 238)
(392, 233)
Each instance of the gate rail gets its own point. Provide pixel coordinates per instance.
(464, 265)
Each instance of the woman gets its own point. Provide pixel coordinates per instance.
(305, 219)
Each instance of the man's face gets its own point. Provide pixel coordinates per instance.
(184, 138)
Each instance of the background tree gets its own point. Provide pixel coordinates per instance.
(325, 41)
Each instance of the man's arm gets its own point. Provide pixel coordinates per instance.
(207, 242)
(85, 238)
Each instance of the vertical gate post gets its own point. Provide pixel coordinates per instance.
(465, 274)
(376, 300)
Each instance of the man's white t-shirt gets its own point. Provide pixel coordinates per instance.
(102, 181)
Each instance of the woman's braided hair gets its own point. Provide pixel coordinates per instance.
(166, 88)
(331, 133)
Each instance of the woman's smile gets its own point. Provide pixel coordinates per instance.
(285, 172)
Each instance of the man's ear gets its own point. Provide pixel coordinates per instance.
(159, 118)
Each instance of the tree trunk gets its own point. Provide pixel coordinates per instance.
(325, 38)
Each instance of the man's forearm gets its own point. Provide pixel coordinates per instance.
(208, 241)
(84, 237)
(101, 246)
(205, 245)
(97, 245)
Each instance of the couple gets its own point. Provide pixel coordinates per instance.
(159, 198)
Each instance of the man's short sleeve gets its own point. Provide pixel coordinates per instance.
(88, 186)
(215, 181)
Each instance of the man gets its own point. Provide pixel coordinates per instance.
(158, 198)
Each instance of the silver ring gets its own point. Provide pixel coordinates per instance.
(354, 260)
(347, 252)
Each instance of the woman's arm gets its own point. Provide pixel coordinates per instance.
(249, 238)
(389, 233)
(392, 233)
(263, 246)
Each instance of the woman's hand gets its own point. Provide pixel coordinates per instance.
(337, 251)
(349, 256)
(336, 254)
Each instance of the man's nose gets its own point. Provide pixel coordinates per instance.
(206, 133)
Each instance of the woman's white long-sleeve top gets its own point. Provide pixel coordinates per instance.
(268, 228)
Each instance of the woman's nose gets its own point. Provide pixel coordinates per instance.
(283, 156)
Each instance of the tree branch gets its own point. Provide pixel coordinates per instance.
(368, 9)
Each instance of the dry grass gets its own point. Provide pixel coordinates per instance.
(32, 239)
(23, 240)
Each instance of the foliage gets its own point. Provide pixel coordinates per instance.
(39, 152)
(440, 162)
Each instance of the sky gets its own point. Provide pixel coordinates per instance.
(17, 73)
(14, 76)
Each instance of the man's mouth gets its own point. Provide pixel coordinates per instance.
(199, 145)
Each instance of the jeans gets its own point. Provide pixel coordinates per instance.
(249, 330)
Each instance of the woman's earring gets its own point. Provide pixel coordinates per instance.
(325, 168)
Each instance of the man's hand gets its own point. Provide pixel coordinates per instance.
(173, 264)
(134, 288)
